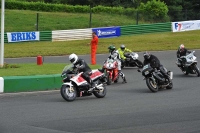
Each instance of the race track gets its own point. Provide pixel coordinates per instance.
(127, 108)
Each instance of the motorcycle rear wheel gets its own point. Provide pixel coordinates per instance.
(139, 64)
(69, 94)
(100, 94)
(170, 86)
(150, 84)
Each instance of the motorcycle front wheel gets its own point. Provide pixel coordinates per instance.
(109, 80)
(197, 71)
(69, 94)
(151, 85)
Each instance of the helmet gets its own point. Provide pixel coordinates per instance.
(111, 48)
(73, 58)
(122, 47)
(146, 55)
(181, 48)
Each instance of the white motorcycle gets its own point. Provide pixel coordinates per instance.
(132, 60)
(75, 86)
(189, 64)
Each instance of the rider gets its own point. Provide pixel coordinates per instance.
(83, 67)
(115, 55)
(182, 51)
(122, 50)
(155, 63)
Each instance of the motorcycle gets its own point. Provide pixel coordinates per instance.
(132, 60)
(111, 71)
(75, 86)
(190, 64)
(155, 79)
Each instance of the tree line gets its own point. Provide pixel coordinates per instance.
(177, 9)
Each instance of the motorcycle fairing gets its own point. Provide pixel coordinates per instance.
(79, 80)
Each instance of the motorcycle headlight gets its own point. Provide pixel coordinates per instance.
(146, 73)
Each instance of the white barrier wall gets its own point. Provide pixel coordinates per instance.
(1, 84)
(185, 26)
(67, 35)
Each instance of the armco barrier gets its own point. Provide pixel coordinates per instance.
(45, 35)
(32, 83)
(145, 28)
(68, 35)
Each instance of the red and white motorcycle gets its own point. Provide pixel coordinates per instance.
(75, 86)
(111, 71)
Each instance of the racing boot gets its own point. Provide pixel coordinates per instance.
(92, 86)
(124, 80)
(123, 76)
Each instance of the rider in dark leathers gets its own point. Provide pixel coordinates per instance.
(182, 51)
(83, 67)
(155, 63)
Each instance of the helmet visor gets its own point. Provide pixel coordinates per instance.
(72, 60)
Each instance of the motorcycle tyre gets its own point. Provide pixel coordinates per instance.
(197, 71)
(153, 89)
(64, 95)
(109, 80)
(139, 64)
(100, 95)
(170, 86)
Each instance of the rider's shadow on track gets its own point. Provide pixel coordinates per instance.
(184, 76)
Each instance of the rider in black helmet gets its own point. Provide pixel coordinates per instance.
(155, 63)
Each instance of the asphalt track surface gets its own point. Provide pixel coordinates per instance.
(127, 108)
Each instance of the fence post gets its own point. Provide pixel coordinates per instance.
(37, 22)
(90, 21)
(137, 18)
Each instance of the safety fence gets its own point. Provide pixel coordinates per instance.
(102, 32)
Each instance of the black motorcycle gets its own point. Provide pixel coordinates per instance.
(155, 79)
(131, 60)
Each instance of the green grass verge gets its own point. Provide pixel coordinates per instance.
(145, 42)
(25, 20)
(34, 69)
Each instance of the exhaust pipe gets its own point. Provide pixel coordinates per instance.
(100, 87)
(171, 75)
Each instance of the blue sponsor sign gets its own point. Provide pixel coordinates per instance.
(107, 32)
(23, 36)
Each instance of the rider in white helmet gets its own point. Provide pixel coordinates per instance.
(83, 67)
(182, 51)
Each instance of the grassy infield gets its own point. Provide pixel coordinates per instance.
(146, 42)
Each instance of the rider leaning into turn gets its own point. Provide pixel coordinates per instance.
(122, 50)
(182, 51)
(115, 56)
(82, 67)
(155, 63)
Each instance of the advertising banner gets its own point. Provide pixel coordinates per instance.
(23, 36)
(107, 32)
(185, 26)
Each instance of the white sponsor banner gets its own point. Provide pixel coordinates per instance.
(1, 84)
(185, 26)
(23, 36)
